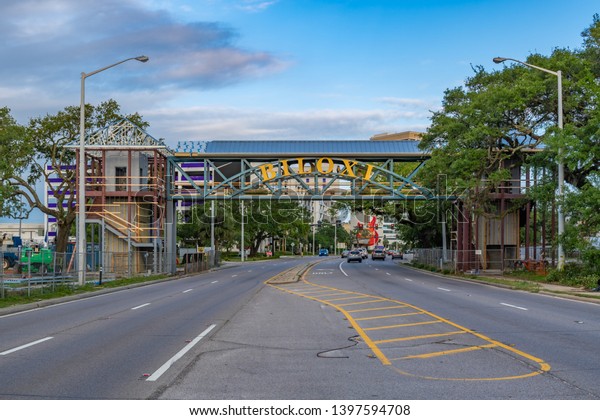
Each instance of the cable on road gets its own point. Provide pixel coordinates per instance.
(354, 339)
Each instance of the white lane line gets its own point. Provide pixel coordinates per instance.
(342, 270)
(141, 306)
(20, 313)
(513, 306)
(24, 346)
(445, 290)
(407, 279)
(213, 282)
(388, 274)
(235, 275)
(188, 290)
(179, 354)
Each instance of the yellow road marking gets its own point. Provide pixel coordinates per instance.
(311, 290)
(385, 327)
(544, 367)
(387, 316)
(377, 309)
(346, 298)
(362, 303)
(417, 337)
(444, 353)
(329, 294)
(504, 378)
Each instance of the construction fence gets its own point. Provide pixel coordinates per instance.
(46, 270)
(492, 260)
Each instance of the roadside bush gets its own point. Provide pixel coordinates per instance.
(575, 275)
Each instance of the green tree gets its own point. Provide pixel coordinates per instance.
(326, 235)
(488, 126)
(42, 145)
(263, 220)
(196, 231)
(11, 133)
(280, 218)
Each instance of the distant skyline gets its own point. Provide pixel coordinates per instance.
(268, 70)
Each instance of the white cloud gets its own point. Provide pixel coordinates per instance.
(256, 5)
(47, 44)
(210, 123)
(413, 102)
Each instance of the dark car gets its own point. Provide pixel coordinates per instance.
(378, 254)
(323, 252)
(354, 255)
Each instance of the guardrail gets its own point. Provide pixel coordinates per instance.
(39, 283)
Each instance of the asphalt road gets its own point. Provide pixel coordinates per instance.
(374, 330)
(379, 330)
(110, 346)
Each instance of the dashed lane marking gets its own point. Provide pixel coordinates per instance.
(513, 306)
(158, 373)
(24, 346)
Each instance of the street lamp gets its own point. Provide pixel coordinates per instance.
(561, 167)
(81, 245)
(312, 227)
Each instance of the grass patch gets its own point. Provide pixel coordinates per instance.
(529, 286)
(39, 293)
(527, 281)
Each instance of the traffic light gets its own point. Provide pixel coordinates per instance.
(338, 223)
(319, 224)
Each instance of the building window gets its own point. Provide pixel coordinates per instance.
(120, 178)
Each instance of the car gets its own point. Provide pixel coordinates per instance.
(378, 254)
(363, 252)
(354, 255)
(345, 253)
(397, 254)
(323, 252)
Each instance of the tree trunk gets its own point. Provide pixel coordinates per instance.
(62, 237)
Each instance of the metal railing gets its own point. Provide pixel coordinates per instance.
(31, 272)
(490, 260)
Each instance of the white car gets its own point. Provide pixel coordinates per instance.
(354, 255)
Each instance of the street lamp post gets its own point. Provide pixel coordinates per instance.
(561, 167)
(243, 256)
(334, 239)
(81, 239)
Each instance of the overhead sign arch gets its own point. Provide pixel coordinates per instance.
(345, 171)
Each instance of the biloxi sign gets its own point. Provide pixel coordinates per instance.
(317, 166)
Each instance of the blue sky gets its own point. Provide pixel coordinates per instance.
(268, 69)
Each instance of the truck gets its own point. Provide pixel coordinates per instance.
(9, 259)
(9, 254)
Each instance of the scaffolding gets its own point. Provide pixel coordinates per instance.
(126, 195)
